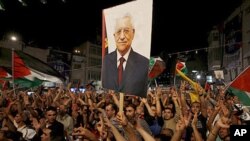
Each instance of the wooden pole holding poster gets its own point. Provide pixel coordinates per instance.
(121, 101)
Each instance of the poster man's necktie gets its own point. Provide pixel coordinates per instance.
(120, 70)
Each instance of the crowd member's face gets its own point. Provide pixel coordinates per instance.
(124, 34)
(62, 110)
(167, 114)
(74, 107)
(196, 106)
(51, 116)
(223, 133)
(85, 109)
(139, 110)
(100, 97)
(209, 111)
(18, 118)
(110, 112)
(46, 135)
(130, 113)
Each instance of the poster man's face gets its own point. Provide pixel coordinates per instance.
(124, 34)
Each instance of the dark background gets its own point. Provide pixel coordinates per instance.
(63, 24)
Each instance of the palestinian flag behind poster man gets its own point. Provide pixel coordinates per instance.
(156, 67)
(104, 37)
(181, 66)
(240, 87)
(28, 71)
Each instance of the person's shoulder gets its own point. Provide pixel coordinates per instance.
(57, 123)
(110, 55)
(140, 57)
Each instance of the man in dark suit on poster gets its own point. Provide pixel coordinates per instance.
(133, 77)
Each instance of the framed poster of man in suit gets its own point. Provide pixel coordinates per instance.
(125, 66)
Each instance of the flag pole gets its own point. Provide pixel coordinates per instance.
(156, 85)
(13, 70)
(174, 79)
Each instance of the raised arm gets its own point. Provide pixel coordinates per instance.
(151, 113)
(197, 134)
(145, 135)
(158, 104)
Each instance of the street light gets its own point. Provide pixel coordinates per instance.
(198, 76)
(77, 51)
(13, 38)
(194, 71)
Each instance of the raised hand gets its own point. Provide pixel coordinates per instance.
(223, 122)
(194, 121)
(180, 125)
(36, 124)
(121, 118)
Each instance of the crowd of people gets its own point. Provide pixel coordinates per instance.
(166, 113)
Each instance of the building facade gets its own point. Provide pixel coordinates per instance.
(86, 63)
(229, 48)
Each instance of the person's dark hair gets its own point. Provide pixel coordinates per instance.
(40, 113)
(113, 107)
(51, 108)
(163, 137)
(172, 110)
(132, 105)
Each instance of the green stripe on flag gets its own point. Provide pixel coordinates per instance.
(23, 82)
(243, 96)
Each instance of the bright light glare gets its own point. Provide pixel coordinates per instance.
(194, 71)
(198, 76)
(13, 38)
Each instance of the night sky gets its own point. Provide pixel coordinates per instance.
(63, 24)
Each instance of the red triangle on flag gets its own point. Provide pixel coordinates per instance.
(20, 69)
(3, 73)
(4, 83)
(241, 82)
(179, 65)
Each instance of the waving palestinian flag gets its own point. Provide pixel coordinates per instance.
(28, 71)
(4, 76)
(181, 66)
(240, 87)
(156, 67)
(181, 70)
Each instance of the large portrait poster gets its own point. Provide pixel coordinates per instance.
(127, 33)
